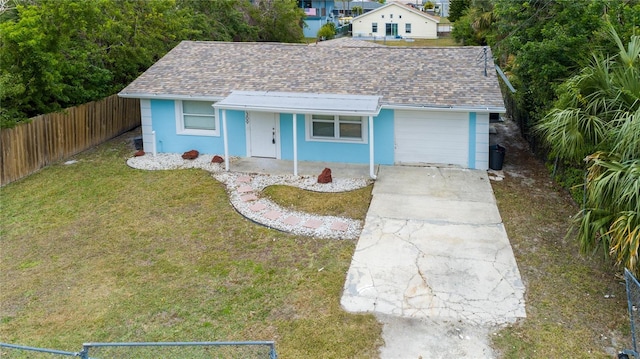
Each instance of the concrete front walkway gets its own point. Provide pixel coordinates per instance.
(434, 249)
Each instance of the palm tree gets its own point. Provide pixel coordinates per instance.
(611, 217)
(597, 118)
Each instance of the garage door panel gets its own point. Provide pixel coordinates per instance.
(430, 137)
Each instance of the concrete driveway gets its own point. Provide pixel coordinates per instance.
(434, 250)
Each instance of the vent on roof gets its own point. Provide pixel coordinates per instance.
(483, 57)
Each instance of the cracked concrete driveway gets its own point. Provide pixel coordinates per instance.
(434, 252)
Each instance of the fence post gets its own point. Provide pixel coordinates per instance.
(84, 354)
(272, 352)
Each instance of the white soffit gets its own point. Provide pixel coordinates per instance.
(301, 103)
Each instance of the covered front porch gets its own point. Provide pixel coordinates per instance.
(299, 105)
(305, 168)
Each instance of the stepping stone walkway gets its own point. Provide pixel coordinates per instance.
(244, 192)
(244, 189)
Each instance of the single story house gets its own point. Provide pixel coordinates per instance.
(396, 20)
(350, 104)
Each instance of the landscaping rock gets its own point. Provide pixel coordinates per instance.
(138, 153)
(190, 155)
(325, 176)
(217, 159)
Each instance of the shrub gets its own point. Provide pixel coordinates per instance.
(327, 31)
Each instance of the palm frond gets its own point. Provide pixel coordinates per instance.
(627, 135)
(572, 133)
(625, 239)
(611, 218)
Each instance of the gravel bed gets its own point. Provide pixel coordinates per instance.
(173, 161)
(235, 180)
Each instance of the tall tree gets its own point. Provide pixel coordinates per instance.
(60, 53)
(476, 23)
(279, 20)
(542, 43)
(48, 59)
(457, 8)
(220, 20)
(598, 116)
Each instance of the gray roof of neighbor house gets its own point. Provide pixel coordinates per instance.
(349, 5)
(402, 6)
(439, 77)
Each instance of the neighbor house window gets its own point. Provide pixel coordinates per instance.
(196, 118)
(374, 27)
(336, 128)
(407, 28)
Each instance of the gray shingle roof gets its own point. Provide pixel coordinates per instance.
(415, 76)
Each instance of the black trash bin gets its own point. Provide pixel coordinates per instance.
(137, 142)
(496, 157)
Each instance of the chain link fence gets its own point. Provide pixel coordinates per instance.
(168, 350)
(633, 301)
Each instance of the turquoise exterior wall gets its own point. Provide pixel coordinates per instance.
(338, 151)
(384, 138)
(472, 140)
(236, 134)
(163, 117)
(163, 122)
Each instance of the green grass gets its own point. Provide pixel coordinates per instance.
(576, 305)
(443, 41)
(97, 251)
(346, 204)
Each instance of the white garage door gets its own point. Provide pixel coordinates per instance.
(432, 137)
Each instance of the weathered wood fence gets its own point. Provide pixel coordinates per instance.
(48, 138)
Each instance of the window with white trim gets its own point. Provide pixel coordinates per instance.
(407, 28)
(374, 27)
(336, 128)
(196, 118)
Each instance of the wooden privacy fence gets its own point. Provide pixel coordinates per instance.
(48, 138)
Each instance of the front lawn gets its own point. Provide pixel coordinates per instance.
(96, 251)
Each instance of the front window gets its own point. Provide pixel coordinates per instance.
(407, 28)
(196, 118)
(337, 128)
(374, 27)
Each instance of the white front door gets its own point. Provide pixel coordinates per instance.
(262, 134)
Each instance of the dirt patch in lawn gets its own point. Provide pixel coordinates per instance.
(576, 305)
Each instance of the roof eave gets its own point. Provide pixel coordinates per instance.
(446, 108)
(152, 96)
(276, 109)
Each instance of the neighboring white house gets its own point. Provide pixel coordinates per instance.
(396, 20)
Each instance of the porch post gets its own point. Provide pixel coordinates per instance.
(371, 165)
(224, 139)
(295, 144)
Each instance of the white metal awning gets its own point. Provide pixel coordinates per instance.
(301, 103)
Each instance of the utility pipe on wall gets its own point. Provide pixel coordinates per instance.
(295, 144)
(224, 139)
(371, 162)
(155, 145)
